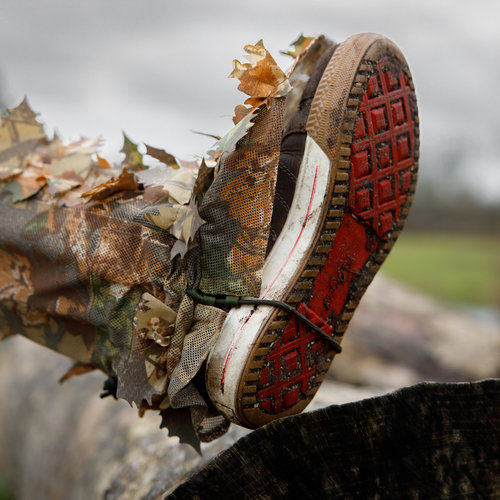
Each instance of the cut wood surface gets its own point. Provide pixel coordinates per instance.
(60, 442)
(431, 440)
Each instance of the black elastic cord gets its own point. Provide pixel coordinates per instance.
(235, 301)
(109, 387)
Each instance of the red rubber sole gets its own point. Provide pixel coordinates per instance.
(375, 160)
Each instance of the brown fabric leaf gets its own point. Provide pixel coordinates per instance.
(213, 136)
(261, 78)
(126, 181)
(240, 111)
(162, 155)
(203, 181)
(77, 369)
(102, 162)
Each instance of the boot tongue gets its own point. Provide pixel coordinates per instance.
(292, 151)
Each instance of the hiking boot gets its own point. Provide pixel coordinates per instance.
(346, 178)
(113, 267)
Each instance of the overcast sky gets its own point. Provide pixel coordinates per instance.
(158, 68)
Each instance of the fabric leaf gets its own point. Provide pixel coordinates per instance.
(261, 78)
(203, 181)
(77, 369)
(126, 181)
(133, 385)
(228, 142)
(8, 173)
(103, 163)
(179, 248)
(299, 46)
(25, 186)
(178, 423)
(60, 186)
(163, 156)
(177, 184)
(133, 159)
(213, 136)
(154, 320)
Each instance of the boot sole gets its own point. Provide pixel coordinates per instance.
(355, 187)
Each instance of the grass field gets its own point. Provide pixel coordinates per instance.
(459, 268)
(4, 493)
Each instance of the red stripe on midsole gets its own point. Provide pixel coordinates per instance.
(306, 219)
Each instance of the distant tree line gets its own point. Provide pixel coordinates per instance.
(457, 211)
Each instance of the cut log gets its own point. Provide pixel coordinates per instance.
(426, 441)
(59, 442)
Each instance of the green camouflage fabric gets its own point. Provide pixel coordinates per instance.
(238, 206)
(87, 263)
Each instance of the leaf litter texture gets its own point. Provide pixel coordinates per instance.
(67, 201)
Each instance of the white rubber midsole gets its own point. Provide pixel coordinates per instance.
(243, 325)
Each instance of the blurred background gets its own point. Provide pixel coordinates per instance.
(157, 70)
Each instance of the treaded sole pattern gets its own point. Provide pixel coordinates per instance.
(374, 163)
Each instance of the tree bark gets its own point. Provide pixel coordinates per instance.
(425, 441)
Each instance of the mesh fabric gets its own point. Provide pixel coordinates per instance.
(206, 325)
(237, 209)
